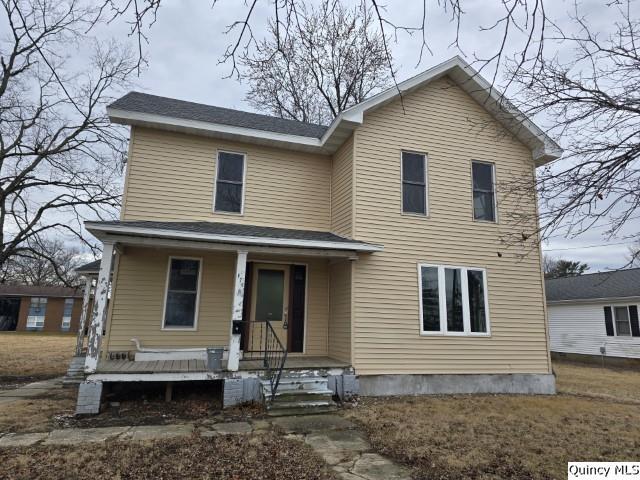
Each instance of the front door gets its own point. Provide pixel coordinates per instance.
(270, 301)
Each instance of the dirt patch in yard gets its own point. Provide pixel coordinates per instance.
(29, 356)
(37, 414)
(524, 437)
(266, 456)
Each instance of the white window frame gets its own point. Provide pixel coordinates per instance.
(495, 193)
(442, 304)
(426, 185)
(66, 321)
(615, 323)
(166, 295)
(244, 182)
(43, 316)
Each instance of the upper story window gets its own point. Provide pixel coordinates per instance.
(229, 196)
(414, 183)
(453, 300)
(622, 321)
(37, 311)
(484, 195)
(181, 302)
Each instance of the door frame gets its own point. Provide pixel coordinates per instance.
(253, 292)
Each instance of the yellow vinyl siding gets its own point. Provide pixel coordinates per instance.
(340, 311)
(139, 292)
(445, 123)
(171, 177)
(341, 190)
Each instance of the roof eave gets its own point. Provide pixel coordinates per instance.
(98, 230)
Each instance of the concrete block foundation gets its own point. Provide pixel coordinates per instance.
(517, 383)
(89, 398)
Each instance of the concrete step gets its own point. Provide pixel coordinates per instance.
(297, 410)
(302, 395)
(289, 384)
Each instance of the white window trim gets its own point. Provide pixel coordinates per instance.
(443, 305)
(426, 186)
(43, 316)
(166, 294)
(244, 182)
(615, 324)
(495, 193)
(69, 317)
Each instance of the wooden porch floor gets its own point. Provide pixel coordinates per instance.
(195, 366)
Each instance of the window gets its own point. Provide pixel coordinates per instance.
(453, 300)
(37, 310)
(414, 183)
(181, 303)
(229, 183)
(622, 321)
(66, 314)
(484, 195)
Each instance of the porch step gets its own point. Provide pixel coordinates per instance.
(75, 372)
(299, 396)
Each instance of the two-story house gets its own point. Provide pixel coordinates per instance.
(369, 252)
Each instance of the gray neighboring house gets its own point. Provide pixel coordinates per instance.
(595, 314)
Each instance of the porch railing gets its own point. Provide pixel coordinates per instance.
(260, 342)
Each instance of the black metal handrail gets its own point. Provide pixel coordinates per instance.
(261, 343)
(275, 356)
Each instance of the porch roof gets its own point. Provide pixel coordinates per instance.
(228, 233)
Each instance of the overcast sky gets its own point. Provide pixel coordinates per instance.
(187, 41)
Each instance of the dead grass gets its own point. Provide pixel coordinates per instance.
(510, 436)
(34, 355)
(596, 381)
(38, 414)
(264, 457)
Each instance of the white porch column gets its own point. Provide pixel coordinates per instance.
(236, 313)
(83, 314)
(99, 313)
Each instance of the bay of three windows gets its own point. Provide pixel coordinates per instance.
(415, 191)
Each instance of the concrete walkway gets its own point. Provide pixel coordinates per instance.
(334, 438)
(30, 390)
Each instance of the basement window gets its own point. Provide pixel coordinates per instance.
(183, 290)
(453, 300)
(229, 185)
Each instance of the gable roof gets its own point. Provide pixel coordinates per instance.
(187, 117)
(605, 285)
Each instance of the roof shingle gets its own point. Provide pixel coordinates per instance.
(169, 107)
(616, 284)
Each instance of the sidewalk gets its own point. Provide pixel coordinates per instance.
(30, 390)
(335, 439)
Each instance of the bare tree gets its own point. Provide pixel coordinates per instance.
(560, 267)
(332, 59)
(592, 101)
(60, 159)
(47, 263)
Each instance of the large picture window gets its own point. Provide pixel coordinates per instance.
(229, 196)
(414, 183)
(453, 300)
(37, 312)
(484, 195)
(181, 303)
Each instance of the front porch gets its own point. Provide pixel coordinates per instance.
(279, 306)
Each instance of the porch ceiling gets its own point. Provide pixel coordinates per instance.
(229, 237)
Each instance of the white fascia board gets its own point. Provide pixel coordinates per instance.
(236, 239)
(128, 117)
(604, 300)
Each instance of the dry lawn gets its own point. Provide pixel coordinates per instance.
(34, 355)
(510, 436)
(38, 414)
(594, 381)
(264, 457)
